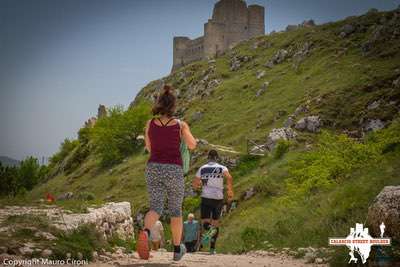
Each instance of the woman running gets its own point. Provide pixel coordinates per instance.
(164, 173)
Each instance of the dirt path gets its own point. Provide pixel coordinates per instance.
(203, 259)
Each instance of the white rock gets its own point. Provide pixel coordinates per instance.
(46, 253)
(310, 123)
(260, 74)
(26, 251)
(374, 125)
(279, 134)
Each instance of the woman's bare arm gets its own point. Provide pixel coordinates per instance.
(146, 137)
(188, 137)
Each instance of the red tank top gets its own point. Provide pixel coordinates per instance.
(165, 143)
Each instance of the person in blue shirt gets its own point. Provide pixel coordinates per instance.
(191, 233)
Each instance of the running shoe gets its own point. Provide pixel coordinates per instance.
(178, 256)
(142, 245)
(213, 251)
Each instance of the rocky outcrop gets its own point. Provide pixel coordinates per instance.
(260, 74)
(197, 116)
(90, 122)
(278, 58)
(279, 134)
(373, 125)
(310, 123)
(236, 62)
(110, 219)
(101, 111)
(386, 209)
(346, 30)
(396, 83)
(262, 89)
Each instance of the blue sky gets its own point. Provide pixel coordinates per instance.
(60, 59)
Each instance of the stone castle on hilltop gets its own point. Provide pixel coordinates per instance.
(232, 21)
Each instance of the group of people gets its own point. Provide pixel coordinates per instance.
(164, 136)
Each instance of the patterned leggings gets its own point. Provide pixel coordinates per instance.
(165, 180)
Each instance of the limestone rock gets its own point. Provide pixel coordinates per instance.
(262, 89)
(373, 125)
(260, 74)
(113, 218)
(249, 193)
(101, 111)
(26, 251)
(278, 58)
(46, 253)
(65, 196)
(310, 123)
(347, 29)
(300, 109)
(289, 122)
(197, 116)
(279, 134)
(45, 235)
(90, 122)
(396, 83)
(386, 209)
(310, 257)
(373, 105)
(366, 47)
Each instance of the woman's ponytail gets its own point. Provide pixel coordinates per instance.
(165, 103)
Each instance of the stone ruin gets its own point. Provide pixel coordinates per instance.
(232, 22)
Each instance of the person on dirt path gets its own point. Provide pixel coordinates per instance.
(191, 233)
(211, 178)
(157, 236)
(164, 170)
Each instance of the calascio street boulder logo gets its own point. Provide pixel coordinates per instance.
(360, 241)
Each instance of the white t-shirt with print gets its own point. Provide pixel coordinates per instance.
(212, 179)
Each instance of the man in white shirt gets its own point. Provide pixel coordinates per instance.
(210, 177)
(157, 235)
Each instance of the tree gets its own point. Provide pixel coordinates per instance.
(115, 136)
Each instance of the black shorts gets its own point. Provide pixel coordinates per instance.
(211, 208)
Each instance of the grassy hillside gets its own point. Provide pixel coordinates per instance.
(315, 186)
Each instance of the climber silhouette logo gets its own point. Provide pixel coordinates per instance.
(360, 241)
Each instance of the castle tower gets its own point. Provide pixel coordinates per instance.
(232, 21)
(256, 21)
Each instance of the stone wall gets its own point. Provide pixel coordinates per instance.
(187, 51)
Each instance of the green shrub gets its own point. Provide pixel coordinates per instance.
(86, 196)
(191, 204)
(115, 136)
(84, 239)
(129, 245)
(76, 158)
(254, 238)
(65, 148)
(281, 149)
(17, 180)
(247, 163)
(267, 186)
(336, 157)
